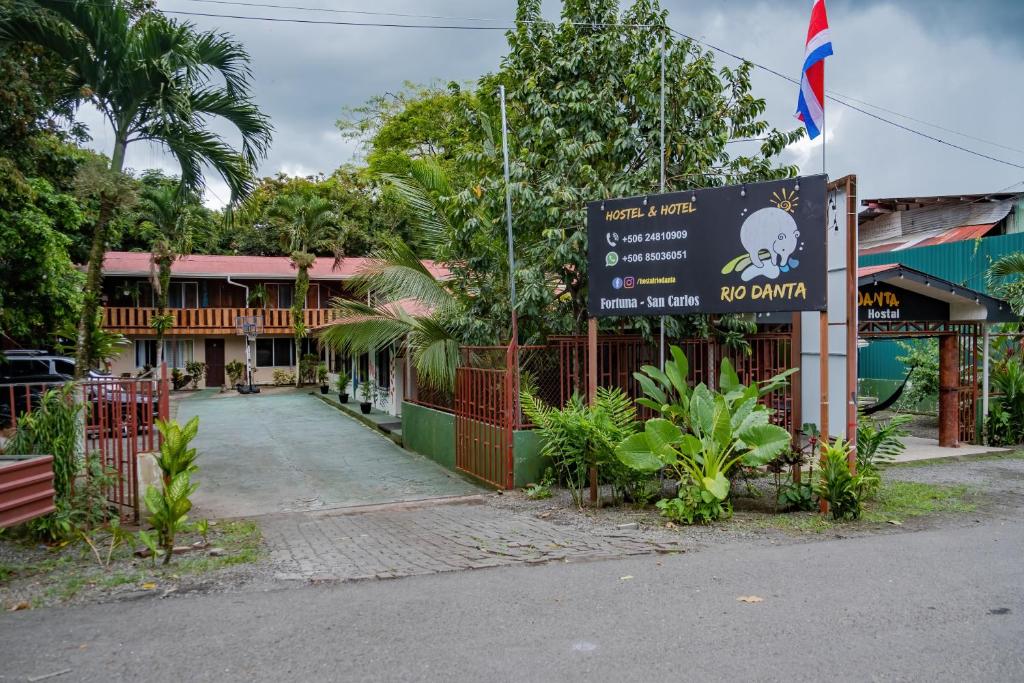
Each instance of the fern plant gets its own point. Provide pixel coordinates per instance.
(578, 437)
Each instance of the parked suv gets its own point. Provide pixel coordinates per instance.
(24, 376)
(16, 366)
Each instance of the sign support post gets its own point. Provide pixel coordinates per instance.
(592, 388)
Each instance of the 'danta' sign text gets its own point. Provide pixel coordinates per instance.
(883, 301)
(743, 248)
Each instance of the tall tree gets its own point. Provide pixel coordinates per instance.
(584, 123)
(311, 228)
(154, 79)
(166, 221)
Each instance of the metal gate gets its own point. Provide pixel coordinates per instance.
(120, 423)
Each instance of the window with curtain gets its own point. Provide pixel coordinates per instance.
(178, 352)
(145, 353)
(183, 295)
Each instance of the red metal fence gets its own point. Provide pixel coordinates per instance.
(119, 423)
(487, 388)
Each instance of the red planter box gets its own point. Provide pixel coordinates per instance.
(26, 488)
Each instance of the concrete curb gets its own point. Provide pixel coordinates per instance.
(357, 415)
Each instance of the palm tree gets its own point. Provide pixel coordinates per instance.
(166, 218)
(154, 79)
(414, 306)
(310, 227)
(1006, 279)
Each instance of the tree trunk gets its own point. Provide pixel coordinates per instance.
(298, 323)
(84, 351)
(164, 281)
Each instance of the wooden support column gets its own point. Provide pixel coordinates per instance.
(949, 386)
(592, 390)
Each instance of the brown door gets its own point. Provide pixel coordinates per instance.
(214, 362)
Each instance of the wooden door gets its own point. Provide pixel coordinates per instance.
(214, 362)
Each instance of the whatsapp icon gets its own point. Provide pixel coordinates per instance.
(611, 259)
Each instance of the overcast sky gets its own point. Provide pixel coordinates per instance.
(955, 64)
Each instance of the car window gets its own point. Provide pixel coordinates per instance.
(64, 367)
(24, 367)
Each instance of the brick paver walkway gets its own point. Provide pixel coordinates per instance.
(395, 543)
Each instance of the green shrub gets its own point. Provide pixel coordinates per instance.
(725, 430)
(235, 371)
(923, 356)
(836, 485)
(1006, 411)
(578, 437)
(196, 370)
(175, 454)
(877, 443)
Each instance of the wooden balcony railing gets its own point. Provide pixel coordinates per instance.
(192, 321)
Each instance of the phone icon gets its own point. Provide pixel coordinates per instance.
(612, 238)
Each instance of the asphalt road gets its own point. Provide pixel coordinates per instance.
(939, 605)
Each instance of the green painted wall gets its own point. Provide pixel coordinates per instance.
(963, 263)
(529, 463)
(430, 433)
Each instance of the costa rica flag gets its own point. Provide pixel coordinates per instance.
(810, 107)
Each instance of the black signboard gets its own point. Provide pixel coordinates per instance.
(737, 249)
(882, 301)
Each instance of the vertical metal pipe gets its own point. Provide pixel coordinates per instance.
(661, 157)
(984, 381)
(508, 212)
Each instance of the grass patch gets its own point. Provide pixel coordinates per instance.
(900, 499)
(240, 541)
(797, 522)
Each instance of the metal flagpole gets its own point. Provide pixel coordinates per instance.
(661, 344)
(508, 215)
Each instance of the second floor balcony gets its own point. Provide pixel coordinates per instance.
(135, 321)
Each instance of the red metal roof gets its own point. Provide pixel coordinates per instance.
(214, 265)
(958, 234)
(871, 270)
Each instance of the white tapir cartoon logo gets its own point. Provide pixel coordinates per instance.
(770, 237)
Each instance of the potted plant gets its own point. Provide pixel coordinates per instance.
(342, 384)
(368, 391)
(321, 376)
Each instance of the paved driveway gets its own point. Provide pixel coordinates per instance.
(289, 452)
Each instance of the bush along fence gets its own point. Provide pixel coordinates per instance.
(493, 439)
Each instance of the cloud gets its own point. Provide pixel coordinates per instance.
(951, 63)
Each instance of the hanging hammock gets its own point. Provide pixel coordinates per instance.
(888, 403)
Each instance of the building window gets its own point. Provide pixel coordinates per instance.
(363, 373)
(178, 352)
(183, 295)
(383, 363)
(145, 353)
(309, 345)
(275, 352)
(284, 296)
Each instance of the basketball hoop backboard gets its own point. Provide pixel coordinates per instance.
(249, 325)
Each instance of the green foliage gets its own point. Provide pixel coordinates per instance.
(723, 430)
(308, 365)
(202, 527)
(112, 536)
(53, 428)
(235, 371)
(341, 383)
(283, 378)
(923, 356)
(369, 391)
(169, 508)
(578, 437)
(796, 496)
(694, 505)
(542, 489)
(1004, 279)
(877, 443)
(105, 346)
(196, 370)
(175, 454)
(152, 543)
(836, 485)
(321, 374)
(1006, 410)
